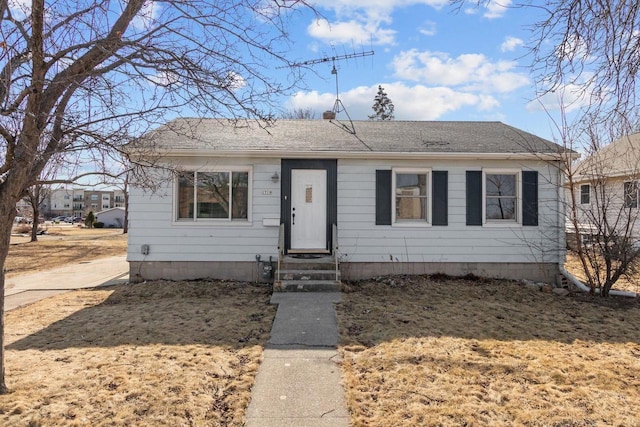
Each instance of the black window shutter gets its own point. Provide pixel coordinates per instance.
(529, 198)
(440, 194)
(474, 197)
(383, 197)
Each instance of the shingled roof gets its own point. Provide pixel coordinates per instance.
(621, 158)
(308, 136)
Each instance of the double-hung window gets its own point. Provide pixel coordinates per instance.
(585, 194)
(631, 194)
(411, 196)
(213, 195)
(501, 196)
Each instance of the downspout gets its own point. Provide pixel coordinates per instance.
(581, 286)
(562, 218)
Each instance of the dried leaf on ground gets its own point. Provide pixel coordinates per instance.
(459, 352)
(159, 353)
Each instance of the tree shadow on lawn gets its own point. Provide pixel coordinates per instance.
(234, 315)
(373, 312)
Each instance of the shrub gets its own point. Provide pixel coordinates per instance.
(98, 224)
(22, 229)
(90, 220)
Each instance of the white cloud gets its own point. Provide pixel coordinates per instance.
(351, 31)
(164, 78)
(417, 102)
(496, 8)
(428, 28)
(570, 97)
(362, 20)
(375, 6)
(510, 44)
(472, 72)
(147, 16)
(234, 81)
(20, 9)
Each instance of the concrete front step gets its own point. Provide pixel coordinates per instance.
(307, 286)
(287, 265)
(308, 274)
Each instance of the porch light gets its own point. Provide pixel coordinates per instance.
(275, 177)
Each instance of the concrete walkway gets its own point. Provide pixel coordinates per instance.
(29, 288)
(299, 383)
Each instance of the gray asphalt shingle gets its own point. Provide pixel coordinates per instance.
(370, 136)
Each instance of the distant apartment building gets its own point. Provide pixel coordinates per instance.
(79, 202)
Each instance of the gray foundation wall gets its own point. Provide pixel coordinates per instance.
(543, 272)
(248, 271)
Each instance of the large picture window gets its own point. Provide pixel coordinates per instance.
(221, 195)
(501, 197)
(411, 196)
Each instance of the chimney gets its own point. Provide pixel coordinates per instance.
(328, 115)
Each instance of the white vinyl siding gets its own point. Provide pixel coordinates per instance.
(152, 220)
(360, 240)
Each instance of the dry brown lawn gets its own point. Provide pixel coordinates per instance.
(438, 351)
(63, 245)
(158, 354)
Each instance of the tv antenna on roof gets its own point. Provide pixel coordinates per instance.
(338, 106)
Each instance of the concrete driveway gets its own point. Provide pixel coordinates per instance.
(29, 288)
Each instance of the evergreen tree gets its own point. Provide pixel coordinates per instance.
(382, 106)
(90, 219)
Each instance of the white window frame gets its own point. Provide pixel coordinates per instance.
(217, 221)
(624, 194)
(517, 222)
(411, 223)
(588, 202)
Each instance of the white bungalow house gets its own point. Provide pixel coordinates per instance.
(606, 190)
(378, 198)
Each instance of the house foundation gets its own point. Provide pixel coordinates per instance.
(248, 271)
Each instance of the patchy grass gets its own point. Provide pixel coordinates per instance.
(457, 352)
(159, 353)
(63, 245)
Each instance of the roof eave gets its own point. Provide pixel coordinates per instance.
(391, 155)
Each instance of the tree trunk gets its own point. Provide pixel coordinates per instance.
(7, 214)
(35, 223)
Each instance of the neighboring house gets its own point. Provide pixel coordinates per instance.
(112, 218)
(606, 189)
(394, 197)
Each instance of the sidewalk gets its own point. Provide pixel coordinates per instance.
(299, 383)
(29, 288)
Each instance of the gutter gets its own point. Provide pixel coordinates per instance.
(324, 154)
(581, 286)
